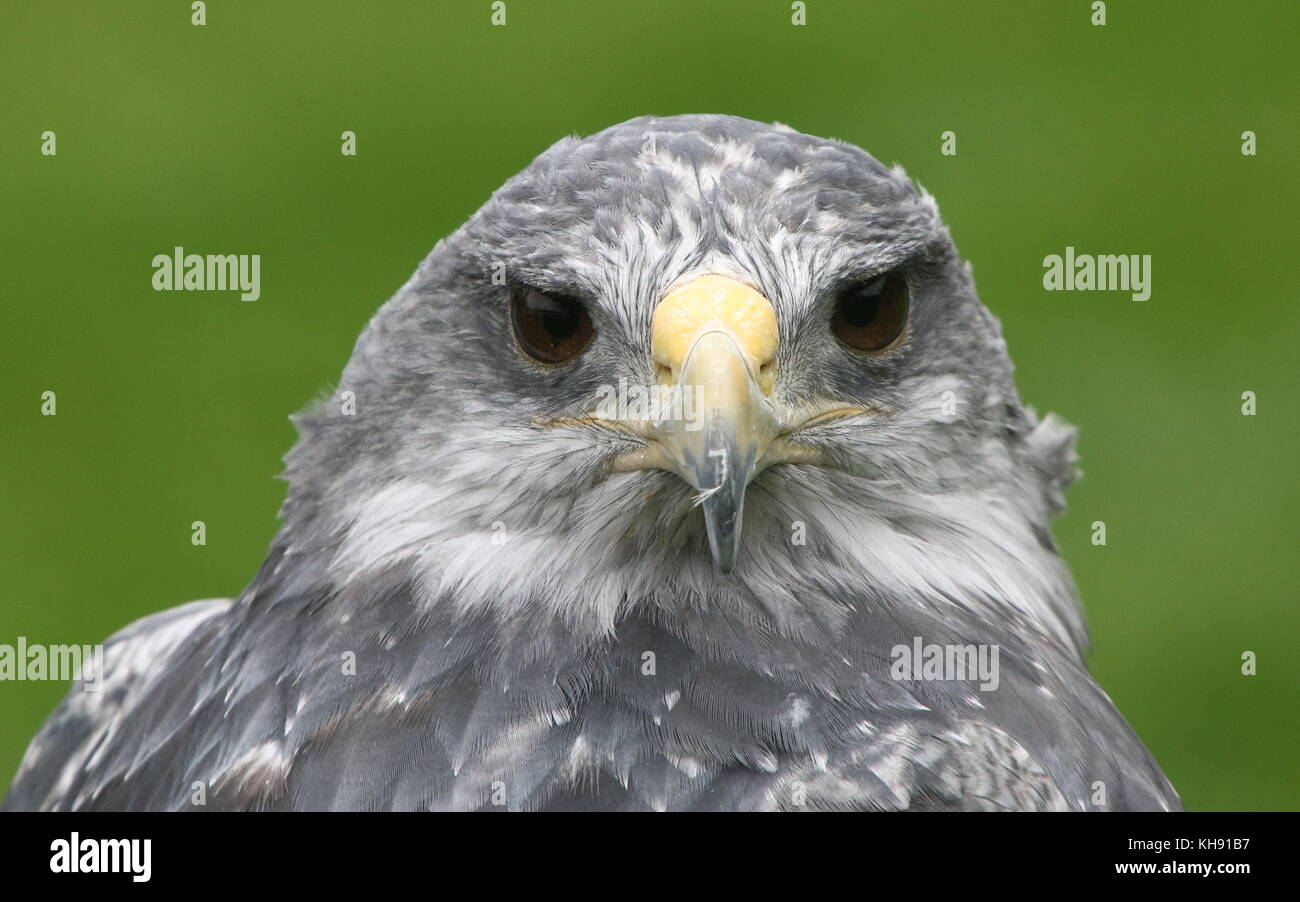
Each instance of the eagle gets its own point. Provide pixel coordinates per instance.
(688, 474)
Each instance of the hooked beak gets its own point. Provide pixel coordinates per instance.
(714, 340)
(718, 451)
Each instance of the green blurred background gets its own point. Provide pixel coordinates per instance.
(172, 407)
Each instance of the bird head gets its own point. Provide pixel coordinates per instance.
(695, 352)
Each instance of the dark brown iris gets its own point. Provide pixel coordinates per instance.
(871, 315)
(551, 328)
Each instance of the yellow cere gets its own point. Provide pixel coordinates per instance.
(714, 303)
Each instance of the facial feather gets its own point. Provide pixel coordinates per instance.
(947, 492)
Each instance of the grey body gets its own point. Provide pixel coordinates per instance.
(532, 631)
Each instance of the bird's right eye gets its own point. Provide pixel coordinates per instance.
(550, 328)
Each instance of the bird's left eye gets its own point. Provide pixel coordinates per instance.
(551, 328)
(871, 315)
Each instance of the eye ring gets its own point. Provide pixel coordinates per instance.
(549, 327)
(871, 315)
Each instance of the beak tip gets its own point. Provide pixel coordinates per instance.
(726, 563)
(724, 542)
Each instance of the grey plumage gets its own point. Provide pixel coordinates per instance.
(532, 630)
